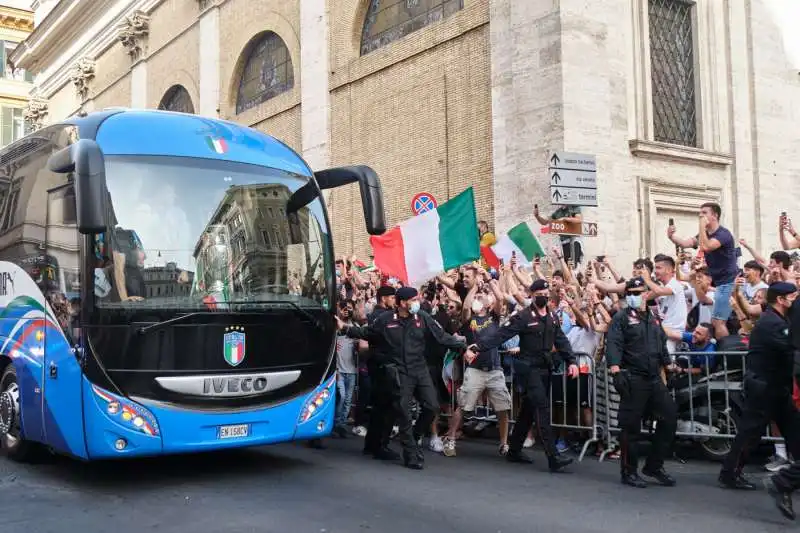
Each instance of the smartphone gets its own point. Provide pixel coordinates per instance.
(600, 258)
(783, 214)
(671, 221)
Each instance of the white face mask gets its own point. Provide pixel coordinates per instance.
(477, 306)
(634, 300)
(414, 308)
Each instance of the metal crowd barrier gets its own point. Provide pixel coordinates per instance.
(708, 395)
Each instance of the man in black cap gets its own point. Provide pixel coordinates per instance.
(636, 354)
(539, 332)
(381, 418)
(400, 338)
(768, 394)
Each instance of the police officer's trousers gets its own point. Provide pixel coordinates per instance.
(535, 384)
(414, 383)
(761, 406)
(381, 417)
(645, 397)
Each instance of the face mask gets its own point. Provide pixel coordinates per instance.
(634, 300)
(338, 273)
(414, 308)
(477, 306)
(540, 301)
(528, 302)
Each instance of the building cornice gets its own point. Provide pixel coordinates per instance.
(16, 19)
(73, 30)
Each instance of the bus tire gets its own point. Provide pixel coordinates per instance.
(11, 441)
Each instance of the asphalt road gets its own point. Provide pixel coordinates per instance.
(293, 489)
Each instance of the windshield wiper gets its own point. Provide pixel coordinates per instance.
(171, 321)
(314, 320)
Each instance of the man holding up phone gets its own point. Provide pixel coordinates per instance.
(719, 249)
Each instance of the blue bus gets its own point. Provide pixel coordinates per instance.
(166, 286)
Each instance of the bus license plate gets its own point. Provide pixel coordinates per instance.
(234, 432)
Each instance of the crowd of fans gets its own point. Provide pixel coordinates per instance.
(702, 296)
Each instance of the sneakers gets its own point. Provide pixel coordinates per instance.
(503, 450)
(776, 463)
(360, 431)
(449, 447)
(528, 443)
(436, 445)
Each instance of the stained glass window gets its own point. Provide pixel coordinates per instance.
(672, 69)
(267, 72)
(390, 20)
(177, 99)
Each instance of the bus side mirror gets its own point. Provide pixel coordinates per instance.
(371, 192)
(84, 160)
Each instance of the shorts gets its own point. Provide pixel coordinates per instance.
(476, 382)
(442, 394)
(722, 302)
(557, 388)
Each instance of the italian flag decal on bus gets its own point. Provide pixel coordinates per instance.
(218, 145)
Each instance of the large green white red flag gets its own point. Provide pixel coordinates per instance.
(424, 246)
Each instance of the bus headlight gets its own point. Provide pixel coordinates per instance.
(127, 413)
(318, 401)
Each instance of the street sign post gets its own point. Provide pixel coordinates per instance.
(573, 179)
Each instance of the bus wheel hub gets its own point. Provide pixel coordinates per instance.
(9, 407)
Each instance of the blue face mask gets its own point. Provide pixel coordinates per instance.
(414, 308)
(634, 300)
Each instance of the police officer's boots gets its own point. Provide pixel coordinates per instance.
(557, 463)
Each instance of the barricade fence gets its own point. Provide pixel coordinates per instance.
(707, 390)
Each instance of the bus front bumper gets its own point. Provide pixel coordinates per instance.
(117, 426)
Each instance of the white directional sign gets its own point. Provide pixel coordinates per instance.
(573, 178)
(573, 196)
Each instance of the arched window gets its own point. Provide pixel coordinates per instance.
(267, 72)
(390, 20)
(177, 99)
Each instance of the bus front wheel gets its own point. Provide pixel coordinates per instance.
(11, 440)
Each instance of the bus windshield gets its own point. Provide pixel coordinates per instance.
(200, 234)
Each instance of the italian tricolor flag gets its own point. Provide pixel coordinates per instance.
(216, 144)
(428, 244)
(520, 241)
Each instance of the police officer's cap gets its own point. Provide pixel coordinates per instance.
(406, 293)
(635, 285)
(780, 288)
(539, 285)
(385, 290)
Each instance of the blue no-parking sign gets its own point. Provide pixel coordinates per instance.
(422, 203)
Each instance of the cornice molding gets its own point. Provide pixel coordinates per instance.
(85, 34)
(15, 19)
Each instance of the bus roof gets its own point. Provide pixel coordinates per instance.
(164, 133)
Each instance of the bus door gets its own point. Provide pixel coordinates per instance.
(63, 406)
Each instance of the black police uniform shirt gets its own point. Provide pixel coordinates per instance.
(537, 336)
(770, 355)
(480, 329)
(402, 341)
(637, 342)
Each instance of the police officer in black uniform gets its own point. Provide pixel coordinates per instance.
(768, 393)
(636, 354)
(399, 339)
(381, 418)
(539, 332)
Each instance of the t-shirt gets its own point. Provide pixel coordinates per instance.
(673, 308)
(700, 356)
(721, 262)
(751, 290)
(345, 354)
(478, 330)
(584, 344)
(705, 309)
